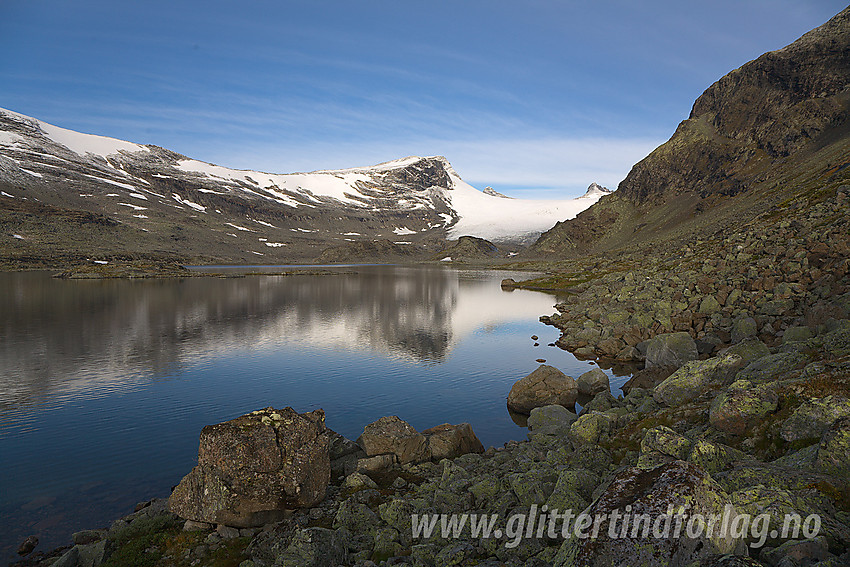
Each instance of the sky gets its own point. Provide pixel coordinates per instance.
(535, 98)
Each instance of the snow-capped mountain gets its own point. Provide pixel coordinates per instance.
(159, 200)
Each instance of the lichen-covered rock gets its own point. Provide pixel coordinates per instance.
(743, 328)
(253, 468)
(393, 436)
(662, 445)
(833, 455)
(741, 405)
(545, 386)
(772, 367)
(814, 417)
(592, 428)
(592, 382)
(749, 349)
(690, 380)
(448, 441)
(676, 486)
(779, 504)
(671, 349)
(797, 334)
(314, 547)
(550, 420)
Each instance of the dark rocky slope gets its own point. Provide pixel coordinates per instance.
(771, 130)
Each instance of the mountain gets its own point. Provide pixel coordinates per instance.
(67, 196)
(770, 131)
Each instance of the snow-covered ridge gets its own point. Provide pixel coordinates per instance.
(78, 142)
(425, 190)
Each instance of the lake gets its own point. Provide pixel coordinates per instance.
(106, 384)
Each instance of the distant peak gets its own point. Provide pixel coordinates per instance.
(493, 193)
(595, 189)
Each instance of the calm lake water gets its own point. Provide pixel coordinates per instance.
(105, 385)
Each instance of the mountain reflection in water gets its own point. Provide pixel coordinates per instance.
(105, 384)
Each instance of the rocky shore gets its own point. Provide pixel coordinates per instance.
(760, 429)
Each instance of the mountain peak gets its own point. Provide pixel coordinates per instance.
(596, 190)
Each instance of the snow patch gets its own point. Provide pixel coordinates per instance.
(83, 144)
(403, 231)
(275, 244)
(446, 259)
(138, 196)
(111, 182)
(188, 203)
(237, 227)
(134, 207)
(17, 236)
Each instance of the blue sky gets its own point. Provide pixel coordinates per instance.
(534, 98)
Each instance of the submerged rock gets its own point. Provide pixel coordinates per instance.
(253, 468)
(593, 382)
(545, 386)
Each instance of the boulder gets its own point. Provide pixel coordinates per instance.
(833, 456)
(743, 328)
(448, 441)
(656, 493)
(741, 405)
(253, 468)
(670, 349)
(545, 386)
(593, 382)
(814, 417)
(592, 428)
(394, 436)
(550, 420)
(690, 380)
(749, 349)
(797, 334)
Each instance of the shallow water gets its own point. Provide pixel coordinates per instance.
(105, 384)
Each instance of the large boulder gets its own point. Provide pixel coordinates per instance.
(655, 495)
(670, 349)
(833, 456)
(749, 349)
(690, 380)
(393, 436)
(448, 441)
(814, 417)
(254, 468)
(740, 406)
(543, 387)
(592, 382)
(550, 420)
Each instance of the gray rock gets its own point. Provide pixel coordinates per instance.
(797, 334)
(671, 349)
(545, 386)
(744, 328)
(378, 463)
(193, 526)
(593, 382)
(550, 420)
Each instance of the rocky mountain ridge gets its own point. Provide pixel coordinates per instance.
(68, 196)
(772, 130)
